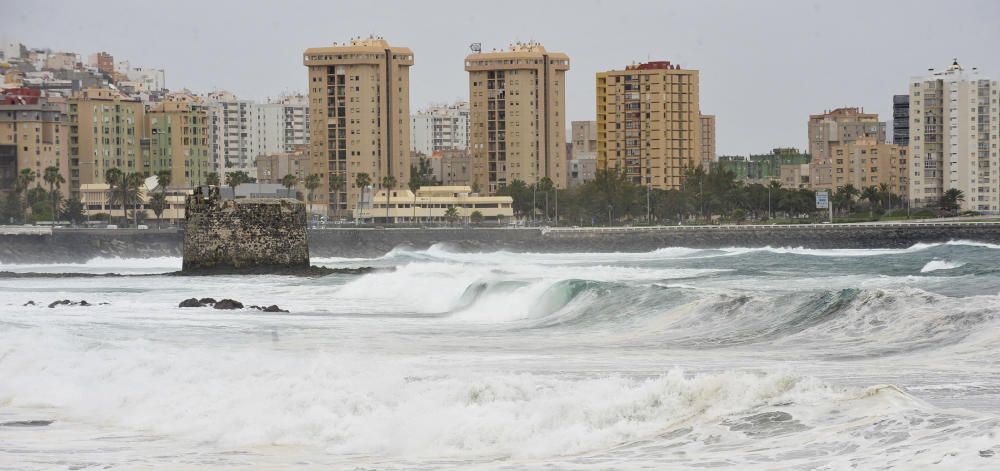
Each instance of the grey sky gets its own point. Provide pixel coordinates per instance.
(765, 66)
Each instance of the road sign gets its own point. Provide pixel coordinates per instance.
(822, 200)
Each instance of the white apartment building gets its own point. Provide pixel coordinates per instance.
(954, 123)
(150, 80)
(241, 130)
(440, 127)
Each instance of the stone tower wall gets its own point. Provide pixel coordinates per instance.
(254, 234)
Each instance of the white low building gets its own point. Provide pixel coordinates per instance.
(431, 204)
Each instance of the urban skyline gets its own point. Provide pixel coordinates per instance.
(680, 33)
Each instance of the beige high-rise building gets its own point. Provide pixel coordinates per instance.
(867, 162)
(649, 123)
(954, 121)
(840, 126)
(584, 141)
(359, 112)
(106, 129)
(178, 137)
(517, 116)
(37, 131)
(707, 138)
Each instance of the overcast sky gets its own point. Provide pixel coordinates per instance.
(765, 66)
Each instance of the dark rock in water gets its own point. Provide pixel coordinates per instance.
(274, 308)
(29, 303)
(228, 304)
(27, 423)
(191, 302)
(83, 302)
(254, 306)
(57, 303)
(207, 300)
(986, 453)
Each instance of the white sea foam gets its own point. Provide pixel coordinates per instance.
(935, 265)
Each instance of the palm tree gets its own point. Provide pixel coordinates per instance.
(55, 181)
(134, 182)
(212, 179)
(116, 182)
(163, 178)
(73, 210)
(388, 183)
(451, 214)
(24, 179)
(952, 200)
(311, 184)
(158, 203)
(848, 192)
(361, 181)
(871, 194)
(288, 181)
(235, 179)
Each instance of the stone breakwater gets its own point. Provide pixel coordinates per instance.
(68, 245)
(253, 234)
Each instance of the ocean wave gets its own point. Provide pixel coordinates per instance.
(935, 265)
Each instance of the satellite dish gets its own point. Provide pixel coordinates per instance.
(476, 47)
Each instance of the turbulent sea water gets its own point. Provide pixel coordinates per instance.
(678, 358)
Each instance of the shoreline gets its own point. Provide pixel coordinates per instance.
(80, 245)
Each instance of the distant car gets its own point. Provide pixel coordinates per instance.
(111, 226)
(142, 226)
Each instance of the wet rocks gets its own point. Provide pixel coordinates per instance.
(27, 423)
(66, 302)
(191, 302)
(29, 303)
(228, 304)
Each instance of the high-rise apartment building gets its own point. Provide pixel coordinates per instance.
(867, 162)
(441, 127)
(953, 138)
(359, 112)
(37, 131)
(295, 121)
(840, 126)
(583, 162)
(106, 130)
(901, 120)
(232, 133)
(517, 113)
(178, 141)
(649, 123)
(707, 138)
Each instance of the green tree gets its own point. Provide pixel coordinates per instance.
(311, 184)
(115, 179)
(73, 210)
(952, 200)
(388, 183)
(55, 180)
(845, 197)
(237, 178)
(163, 179)
(21, 185)
(361, 181)
(158, 203)
(872, 196)
(476, 217)
(288, 181)
(212, 179)
(451, 214)
(11, 210)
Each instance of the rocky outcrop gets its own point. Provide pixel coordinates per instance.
(256, 234)
(228, 304)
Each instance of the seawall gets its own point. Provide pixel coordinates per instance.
(68, 245)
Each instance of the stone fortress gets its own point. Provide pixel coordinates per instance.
(253, 234)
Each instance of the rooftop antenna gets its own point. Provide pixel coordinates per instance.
(476, 47)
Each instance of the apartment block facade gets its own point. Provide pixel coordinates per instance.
(438, 128)
(707, 138)
(953, 128)
(517, 112)
(359, 112)
(901, 120)
(868, 162)
(232, 133)
(649, 123)
(106, 130)
(178, 141)
(583, 162)
(838, 127)
(36, 130)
